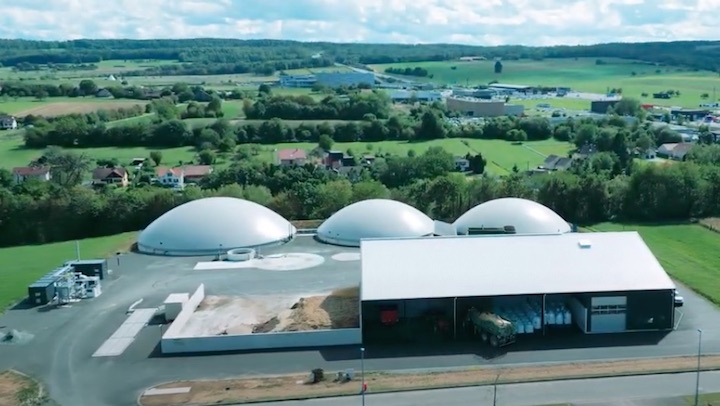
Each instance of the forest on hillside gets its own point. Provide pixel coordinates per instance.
(268, 55)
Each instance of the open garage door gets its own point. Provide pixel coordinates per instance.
(608, 314)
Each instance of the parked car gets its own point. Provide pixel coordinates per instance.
(679, 300)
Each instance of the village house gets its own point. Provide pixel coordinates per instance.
(177, 178)
(8, 123)
(195, 173)
(41, 173)
(674, 150)
(110, 176)
(291, 157)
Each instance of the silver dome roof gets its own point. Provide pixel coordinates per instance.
(213, 225)
(374, 218)
(526, 216)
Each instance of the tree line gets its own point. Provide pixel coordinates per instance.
(416, 71)
(88, 88)
(589, 192)
(303, 107)
(423, 123)
(703, 55)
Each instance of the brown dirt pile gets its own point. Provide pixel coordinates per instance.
(339, 309)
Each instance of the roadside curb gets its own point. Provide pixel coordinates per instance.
(500, 382)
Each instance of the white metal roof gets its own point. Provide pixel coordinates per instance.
(499, 265)
(527, 216)
(215, 224)
(374, 218)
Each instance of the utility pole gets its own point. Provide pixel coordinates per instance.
(697, 379)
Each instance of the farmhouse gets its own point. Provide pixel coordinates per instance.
(291, 157)
(178, 178)
(675, 150)
(110, 176)
(8, 123)
(41, 173)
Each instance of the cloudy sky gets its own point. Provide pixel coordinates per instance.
(483, 22)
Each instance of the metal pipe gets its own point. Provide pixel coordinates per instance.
(77, 249)
(542, 315)
(362, 371)
(455, 318)
(697, 378)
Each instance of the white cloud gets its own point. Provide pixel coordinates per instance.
(487, 22)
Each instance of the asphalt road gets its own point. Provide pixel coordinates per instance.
(63, 340)
(589, 391)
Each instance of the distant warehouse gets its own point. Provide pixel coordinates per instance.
(329, 79)
(483, 108)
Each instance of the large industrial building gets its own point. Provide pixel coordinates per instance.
(329, 79)
(522, 261)
(419, 278)
(542, 283)
(214, 226)
(473, 107)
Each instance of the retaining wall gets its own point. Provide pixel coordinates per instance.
(261, 341)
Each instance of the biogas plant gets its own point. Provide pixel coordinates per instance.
(226, 274)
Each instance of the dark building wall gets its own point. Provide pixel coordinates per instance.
(651, 310)
(602, 106)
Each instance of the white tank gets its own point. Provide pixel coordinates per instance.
(559, 317)
(567, 317)
(529, 328)
(537, 323)
(519, 328)
(549, 317)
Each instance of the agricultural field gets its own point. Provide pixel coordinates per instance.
(21, 266)
(690, 253)
(580, 74)
(14, 154)
(56, 106)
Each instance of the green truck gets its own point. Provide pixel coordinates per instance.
(491, 327)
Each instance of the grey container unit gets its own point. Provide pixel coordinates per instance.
(90, 267)
(41, 292)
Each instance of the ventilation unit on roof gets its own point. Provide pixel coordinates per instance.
(585, 243)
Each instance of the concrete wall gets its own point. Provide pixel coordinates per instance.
(261, 341)
(174, 343)
(182, 318)
(476, 107)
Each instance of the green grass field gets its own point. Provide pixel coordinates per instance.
(501, 155)
(21, 266)
(581, 74)
(690, 253)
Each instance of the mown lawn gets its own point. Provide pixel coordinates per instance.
(581, 74)
(690, 253)
(13, 153)
(21, 266)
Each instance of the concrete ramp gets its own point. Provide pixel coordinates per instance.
(125, 334)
